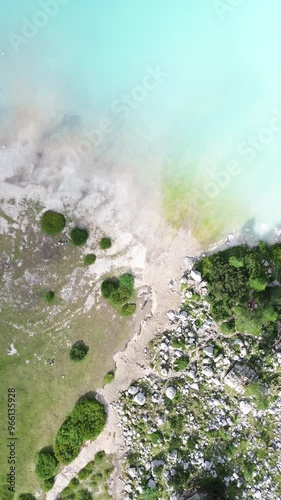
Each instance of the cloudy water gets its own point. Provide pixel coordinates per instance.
(184, 95)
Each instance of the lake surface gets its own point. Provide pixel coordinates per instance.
(185, 93)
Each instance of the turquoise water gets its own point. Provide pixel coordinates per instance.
(203, 87)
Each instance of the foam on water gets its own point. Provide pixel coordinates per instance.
(182, 95)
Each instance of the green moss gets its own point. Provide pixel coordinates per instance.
(181, 363)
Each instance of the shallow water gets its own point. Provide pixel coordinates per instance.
(185, 95)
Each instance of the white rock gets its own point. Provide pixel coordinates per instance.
(170, 392)
(209, 351)
(140, 398)
(151, 484)
(189, 263)
(245, 407)
(133, 390)
(208, 372)
(196, 276)
(171, 315)
(195, 386)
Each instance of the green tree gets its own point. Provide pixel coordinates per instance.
(79, 236)
(52, 222)
(78, 351)
(45, 464)
(105, 243)
(49, 296)
(86, 421)
(90, 259)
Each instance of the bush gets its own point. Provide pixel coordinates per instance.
(90, 259)
(83, 495)
(86, 421)
(52, 222)
(49, 296)
(228, 327)
(48, 484)
(99, 456)
(45, 464)
(78, 351)
(26, 496)
(109, 287)
(118, 290)
(96, 478)
(86, 471)
(79, 236)
(108, 378)
(128, 309)
(105, 243)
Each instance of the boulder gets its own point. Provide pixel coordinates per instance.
(170, 392)
(133, 390)
(195, 276)
(140, 398)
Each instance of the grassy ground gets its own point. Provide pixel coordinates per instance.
(32, 263)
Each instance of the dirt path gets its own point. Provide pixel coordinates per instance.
(165, 262)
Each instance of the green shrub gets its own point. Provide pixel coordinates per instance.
(108, 471)
(99, 456)
(78, 351)
(79, 236)
(96, 478)
(109, 286)
(52, 222)
(83, 495)
(48, 484)
(257, 284)
(86, 471)
(26, 496)
(228, 327)
(90, 259)
(118, 290)
(45, 464)
(181, 363)
(86, 421)
(128, 309)
(49, 296)
(108, 378)
(68, 492)
(105, 243)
